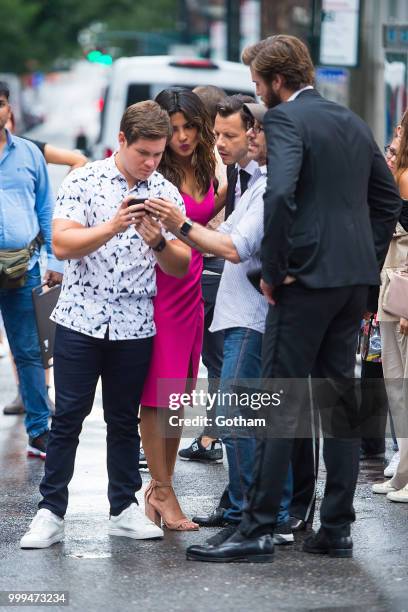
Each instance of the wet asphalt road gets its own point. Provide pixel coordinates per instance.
(101, 571)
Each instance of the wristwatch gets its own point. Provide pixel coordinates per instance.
(159, 247)
(186, 227)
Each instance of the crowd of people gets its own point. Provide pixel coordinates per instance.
(249, 234)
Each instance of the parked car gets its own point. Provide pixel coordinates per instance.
(141, 78)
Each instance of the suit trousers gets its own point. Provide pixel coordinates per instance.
(305, 465)
(79, 362)
(310, 330)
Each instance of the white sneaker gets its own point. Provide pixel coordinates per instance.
(391, 468)
(383, 488)
(399, 496)
(45, 529)
(133, 523)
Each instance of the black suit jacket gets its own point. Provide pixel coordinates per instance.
(331, 204)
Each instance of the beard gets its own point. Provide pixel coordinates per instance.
(271, 98)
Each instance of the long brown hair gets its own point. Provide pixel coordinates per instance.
(401, 163)
(179, 100)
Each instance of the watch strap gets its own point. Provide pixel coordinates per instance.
(160, 246)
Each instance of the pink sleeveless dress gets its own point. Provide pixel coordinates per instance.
(179, 319)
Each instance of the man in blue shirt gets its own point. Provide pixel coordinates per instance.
(26, 206)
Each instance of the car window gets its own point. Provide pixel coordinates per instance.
(137, 92)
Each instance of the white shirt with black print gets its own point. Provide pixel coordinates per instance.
(114, 285)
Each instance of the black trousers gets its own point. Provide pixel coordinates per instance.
(305, 466)
(374, 408)
(79, 361)
(213, 342)
(309, 330)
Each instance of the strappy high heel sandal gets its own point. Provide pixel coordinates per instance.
(158, 515)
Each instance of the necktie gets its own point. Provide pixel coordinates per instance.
(232, 177)
(244, 177)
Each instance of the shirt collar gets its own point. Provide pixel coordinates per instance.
(250, 167)
(10, 139)
(113, 172)
(297, 93)
(259, 171)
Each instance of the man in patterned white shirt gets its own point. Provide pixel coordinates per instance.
(104, 316)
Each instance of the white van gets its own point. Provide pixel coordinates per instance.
(141, 78)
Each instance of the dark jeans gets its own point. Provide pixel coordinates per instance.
(17, 308)
(242, 360)
(213, 342)
(309, 330)
(79, 361)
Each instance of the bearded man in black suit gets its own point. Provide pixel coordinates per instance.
(331, 207)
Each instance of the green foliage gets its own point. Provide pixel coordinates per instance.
(36, 32)
(16, 17)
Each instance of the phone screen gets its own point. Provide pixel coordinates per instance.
(134, 201)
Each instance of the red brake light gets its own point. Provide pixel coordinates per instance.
(107, 152)
(101, 104)
(195, 63)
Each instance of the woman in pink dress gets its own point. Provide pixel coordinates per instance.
(189, 163)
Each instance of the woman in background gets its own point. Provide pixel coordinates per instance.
(394, 330)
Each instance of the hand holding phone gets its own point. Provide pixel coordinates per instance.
(136, 208)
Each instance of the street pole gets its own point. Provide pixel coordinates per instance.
(315, 29)
(367, 93)
(233, 30)
(184, 23)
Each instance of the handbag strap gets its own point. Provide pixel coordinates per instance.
(37, 242)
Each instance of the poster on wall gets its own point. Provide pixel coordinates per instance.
(334, 84)
(340, 33)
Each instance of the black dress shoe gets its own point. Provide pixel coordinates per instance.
(297, 524)
(237, 549)
(215, 519)
(222, 536)
(321, 543)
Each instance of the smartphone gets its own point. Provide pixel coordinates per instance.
(134, 201)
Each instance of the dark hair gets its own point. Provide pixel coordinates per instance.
(179, 100)
(235, 104)
(145, 120)
(284, 55)
(4, 90)
(401, 163)
(210, 95)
